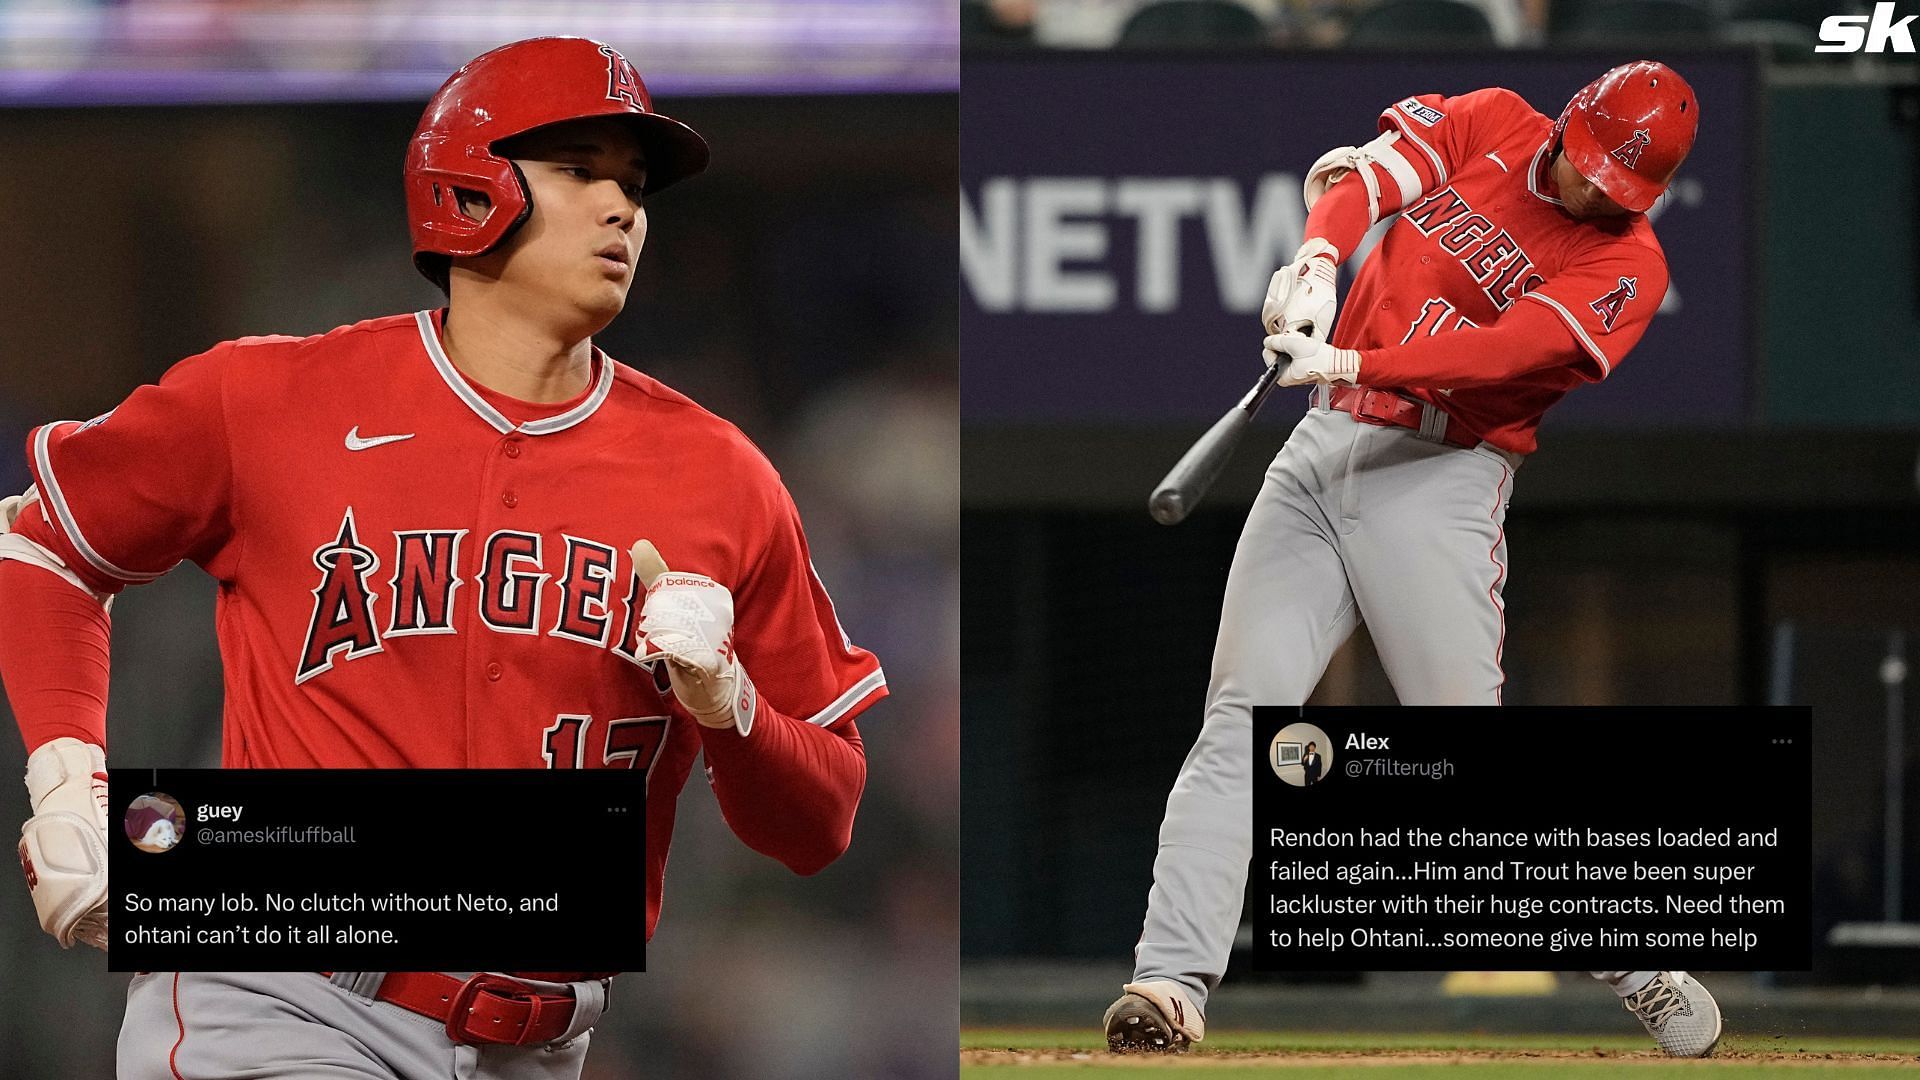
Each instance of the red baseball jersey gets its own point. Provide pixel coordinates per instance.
(1480, 231)
(412, 577)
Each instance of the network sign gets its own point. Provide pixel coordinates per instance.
(1121, 215)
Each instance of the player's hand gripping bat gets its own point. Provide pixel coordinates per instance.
(1300, 299)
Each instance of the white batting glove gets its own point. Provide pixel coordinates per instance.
(1302, 296)
(687, 623)
(1309, 361)
(63, 847)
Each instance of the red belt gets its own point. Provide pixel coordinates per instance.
(483, 1009)
(1388, 409)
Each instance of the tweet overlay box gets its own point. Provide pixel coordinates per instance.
(1532, 838)
(379, 870)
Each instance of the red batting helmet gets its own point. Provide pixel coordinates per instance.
(507, 92)
(1629, 130)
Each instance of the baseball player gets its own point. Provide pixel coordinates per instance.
(1521, 264)
(456, 538)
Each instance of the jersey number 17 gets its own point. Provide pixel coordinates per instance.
(1435, 316)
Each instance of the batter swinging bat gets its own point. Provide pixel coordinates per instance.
(1196, 470)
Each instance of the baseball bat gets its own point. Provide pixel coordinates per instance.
(1197, 469)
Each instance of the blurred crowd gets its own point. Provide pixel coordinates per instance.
(1788, 29)
(143, 51)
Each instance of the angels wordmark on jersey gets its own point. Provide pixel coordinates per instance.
(472, 578)
(510, 597)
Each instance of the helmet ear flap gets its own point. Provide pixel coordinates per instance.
(526, 203)
(437, 267)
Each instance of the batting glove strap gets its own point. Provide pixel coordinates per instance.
(1317, 247)
(742, 703)
(1310, 361)
(723, 698)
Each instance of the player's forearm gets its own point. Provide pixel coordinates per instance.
(789, 789)
(53, 656)
(1340, 216)
(1529, 338)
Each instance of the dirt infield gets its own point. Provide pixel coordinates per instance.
(1251, 1055)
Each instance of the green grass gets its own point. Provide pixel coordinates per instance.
(1593, 1056)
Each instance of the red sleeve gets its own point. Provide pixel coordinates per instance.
(787, 633)
(53, 655)
(790, 786)
(788, 789)
(133, 492)
(1586, 317)
(1606, 301)
(1438, 133)
(1340, 216)
(1527, 338)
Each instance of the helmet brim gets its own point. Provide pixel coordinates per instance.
(673, 150)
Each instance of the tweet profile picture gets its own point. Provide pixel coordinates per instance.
(156, 822)
(1301, 754)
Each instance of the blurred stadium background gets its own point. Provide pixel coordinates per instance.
(1731, 518)
(180, 172)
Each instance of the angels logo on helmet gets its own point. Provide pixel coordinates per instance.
(623, 83)
(1629, 152)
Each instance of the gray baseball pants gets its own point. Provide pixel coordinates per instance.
(300, 1025)
(1354, 522)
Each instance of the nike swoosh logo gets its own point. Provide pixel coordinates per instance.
(1497, 161)
(355, 442)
